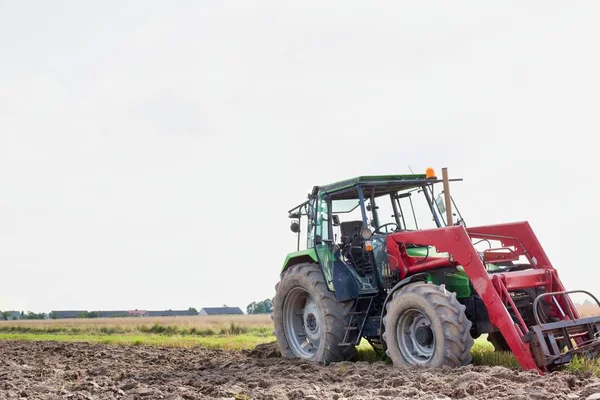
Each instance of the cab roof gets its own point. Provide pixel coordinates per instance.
(374, 185)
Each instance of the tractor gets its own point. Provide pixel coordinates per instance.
(382, 259)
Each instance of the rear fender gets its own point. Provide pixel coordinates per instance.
(298, 257)
(342, 283)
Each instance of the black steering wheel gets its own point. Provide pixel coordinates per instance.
(386, 229)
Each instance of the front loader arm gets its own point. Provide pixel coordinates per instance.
(456, 241)
(520, 235)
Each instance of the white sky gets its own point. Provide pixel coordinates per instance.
(149, 151)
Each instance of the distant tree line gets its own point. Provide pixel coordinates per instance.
(11, 314)
(32, 315)
(261, 307)
(22, 315)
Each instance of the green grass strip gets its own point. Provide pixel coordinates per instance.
(238, 342)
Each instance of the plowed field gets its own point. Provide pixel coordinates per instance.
(49, 370)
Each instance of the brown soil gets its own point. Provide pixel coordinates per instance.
(49, 370)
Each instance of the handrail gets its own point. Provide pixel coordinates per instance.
(565, 292)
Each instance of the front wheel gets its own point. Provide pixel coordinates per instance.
(309, 322)
(425, 325)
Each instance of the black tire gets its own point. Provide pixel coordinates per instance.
(498, 341)
(331, 315)
(444, 338)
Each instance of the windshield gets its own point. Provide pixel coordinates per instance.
(395, 211)
(415, 210)
(385, 211)
(408, 210)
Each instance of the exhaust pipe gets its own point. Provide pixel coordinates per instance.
(447, 198)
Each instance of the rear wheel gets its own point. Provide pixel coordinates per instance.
(309, 322)
(426, 325)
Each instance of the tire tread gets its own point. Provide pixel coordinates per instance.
(334, 312)
(456, 326)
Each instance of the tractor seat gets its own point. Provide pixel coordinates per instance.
(349, 228)
(353, 251)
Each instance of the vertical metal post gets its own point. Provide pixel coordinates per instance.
(447, 197)
(395, 208)
(401, 211)
(363, 210)
(375, 213)
(300, 227)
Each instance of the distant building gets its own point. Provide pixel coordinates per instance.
(68, 314)
(220, 311)
(113, 314)
(137, 313)
(14, 315)
(10, 315)
(170, 313)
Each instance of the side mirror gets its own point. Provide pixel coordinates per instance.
(295, 227)
(440, 203)
(318, 239)
(336, 220)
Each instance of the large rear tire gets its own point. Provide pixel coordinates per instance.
(309, 322)
(425, 325)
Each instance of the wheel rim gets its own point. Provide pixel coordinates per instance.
(302, 323)
(415, 337)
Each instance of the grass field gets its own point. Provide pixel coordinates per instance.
(239, 332)
(588, 310)
(188, 325)
(234, 332)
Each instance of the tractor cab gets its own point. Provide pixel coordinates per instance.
(346, 223)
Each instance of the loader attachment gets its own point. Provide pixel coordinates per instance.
(556, 343)
(527, 304)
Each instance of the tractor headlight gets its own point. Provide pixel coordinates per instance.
(366, 233)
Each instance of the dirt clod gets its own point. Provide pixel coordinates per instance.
(50, 370)
(266, 350)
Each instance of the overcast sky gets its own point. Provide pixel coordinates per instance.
(149, 151)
